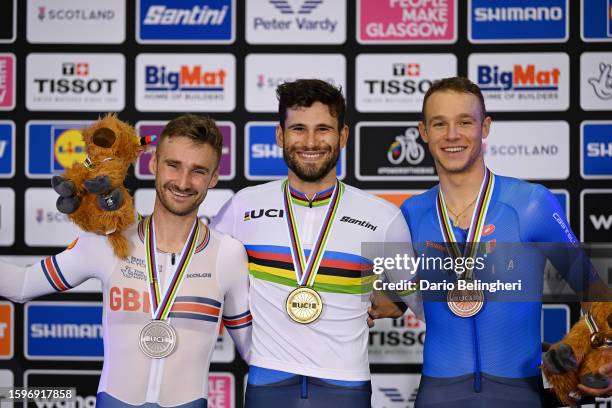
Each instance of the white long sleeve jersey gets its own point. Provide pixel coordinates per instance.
(335, 346)
(214, 288)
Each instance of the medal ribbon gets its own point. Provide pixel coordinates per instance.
(476, 224)
(161, 304)
(306, 269)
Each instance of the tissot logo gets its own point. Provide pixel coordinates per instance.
(269, 213)
(75, 82)
(392, 82)
(596, 222)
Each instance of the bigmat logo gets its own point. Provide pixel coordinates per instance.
(596, 20)
(398, 82)
(406, 21)
(221, 390)
(8, 21)
(264, 72)
(63, 330)
(228, 153)
(7, 330)
(394, 390)
(395, 197)
(7, 149)
(517, 21)
(596, 221)
(185, 21)
(392, 151)
(533, 150)
(297, 22)
(52, 146)
(85, 382)
(44, 225)
(7, 216)
(264, 159)
(144, 199)
(90, 21)
(596, 81)
(397, 341)
(596, 149)
(186, 82)
(7, 81)
(519, 82)
(75, 82)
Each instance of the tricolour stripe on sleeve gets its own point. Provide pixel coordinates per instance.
(54, 275)
(238, 321)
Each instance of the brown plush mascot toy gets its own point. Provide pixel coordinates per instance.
(576, 359)
(92, 192)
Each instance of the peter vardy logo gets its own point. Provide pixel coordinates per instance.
(596, 148)
(300, 22)
(518, 21)
(306, 7)
(51, 147)
(264, 159)
(187, 21)
(63, 330)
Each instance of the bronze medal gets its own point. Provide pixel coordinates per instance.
(465, 303)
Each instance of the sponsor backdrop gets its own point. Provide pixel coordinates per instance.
(545, 68)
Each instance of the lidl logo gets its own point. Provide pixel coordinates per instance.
(185, 21)
(518, 21)
(264, 159)
(53, 146)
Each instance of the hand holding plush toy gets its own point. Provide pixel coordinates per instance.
(578, 357)
(92, 192)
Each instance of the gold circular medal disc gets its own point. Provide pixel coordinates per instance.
(465, 303)
(304, 305)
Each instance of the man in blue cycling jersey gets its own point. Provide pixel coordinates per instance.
(484, 349)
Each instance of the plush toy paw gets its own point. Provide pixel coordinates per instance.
(560, 360)
(62, 186)
(111, 201)
(595, 380)
(68, 205)
(100, 184)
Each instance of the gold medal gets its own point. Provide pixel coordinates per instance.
(465, 303)
(304, 305)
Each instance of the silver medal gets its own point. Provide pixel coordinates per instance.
(157, 339)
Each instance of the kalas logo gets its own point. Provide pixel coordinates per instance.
(602, 85)
(195, 78)
(520, 78)
(79, 85)
(306, 8)
(400, 86)
(406, 147)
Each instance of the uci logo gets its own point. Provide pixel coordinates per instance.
(271, 213)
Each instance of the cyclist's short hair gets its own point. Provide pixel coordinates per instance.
(304, 92)
(455, 84)
(200, 129)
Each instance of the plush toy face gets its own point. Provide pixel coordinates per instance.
(111, 139)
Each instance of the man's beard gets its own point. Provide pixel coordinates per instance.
(168, 205)
(311, 173)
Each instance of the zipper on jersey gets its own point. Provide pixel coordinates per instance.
(172, 258)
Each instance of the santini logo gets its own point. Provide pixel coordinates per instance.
(196, 16)
(364, 224)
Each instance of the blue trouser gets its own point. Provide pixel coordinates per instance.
(307, 392)
(495, 392)
(104, 400)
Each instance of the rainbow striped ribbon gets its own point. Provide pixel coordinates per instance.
(306, 269)
(161, 304)
(476, 224)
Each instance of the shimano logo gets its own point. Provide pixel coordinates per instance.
(593, 150)
(490, 14)
(265, 151)
(196, 16)
(66, 331)
(364, 224)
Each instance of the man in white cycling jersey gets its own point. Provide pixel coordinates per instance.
(164, 303)
(309, 283)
